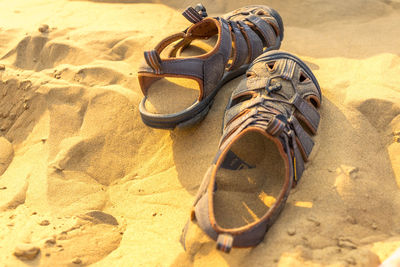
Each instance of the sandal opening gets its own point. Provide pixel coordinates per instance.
(271, 66)
(169, 95)
(313, 100)
(204, 38)
(198, 47)
(250, 74)
(261, 13)
(303, 77)
(240, 99)
(249, 180)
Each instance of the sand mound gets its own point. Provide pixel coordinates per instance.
(84, 181)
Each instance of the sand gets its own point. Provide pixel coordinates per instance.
(85, 182)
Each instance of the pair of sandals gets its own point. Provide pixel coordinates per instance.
(268, 122)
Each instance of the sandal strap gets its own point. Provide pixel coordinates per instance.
(254, 43)
(308, 112)
(192, 15)
(306, 144)
(272, 21)
(192, 67)
(241, 51)
(153, 60)
(264, 28)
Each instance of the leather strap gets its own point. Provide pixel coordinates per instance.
(254, 43)
(192, 15)
(241, 50)
(305, 142)
(309, 113)
(153, 60)
(265, 29)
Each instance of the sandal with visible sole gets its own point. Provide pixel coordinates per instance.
(265, 142)
(182, 75)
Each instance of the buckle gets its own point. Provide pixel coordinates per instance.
(273, 88)
(201, 9)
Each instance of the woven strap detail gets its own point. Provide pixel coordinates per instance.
(224, 242)
(192, 15)
(288, 67)
(153, 60)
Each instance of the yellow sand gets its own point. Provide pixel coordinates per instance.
(74, 142)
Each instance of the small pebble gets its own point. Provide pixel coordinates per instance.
(57, 167)
(26, 251)
(2, 67)
(351, 261)
(44, 223)
(291, 231)
(374, 226)
(34, 213)
(154, 214)
(50, 241)
(350, 171)
(44, 28)
(351, 220)
(77, 261)
(314, 220)
(3, 188)
(47, 254)
(10, 224)
(346, 243)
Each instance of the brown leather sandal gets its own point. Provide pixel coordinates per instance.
(182, 75)
(265, 142)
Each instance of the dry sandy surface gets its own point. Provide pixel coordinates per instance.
(85, 182)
